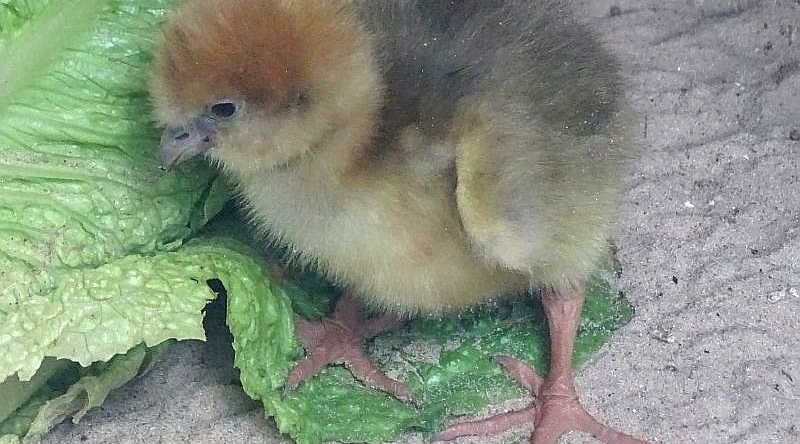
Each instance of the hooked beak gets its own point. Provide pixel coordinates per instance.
(182, 142)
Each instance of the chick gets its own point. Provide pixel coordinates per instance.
(427, 155)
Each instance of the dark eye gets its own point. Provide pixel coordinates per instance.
(223, 110)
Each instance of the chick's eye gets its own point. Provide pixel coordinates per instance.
(223, 110)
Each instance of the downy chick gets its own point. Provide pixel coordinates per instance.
(427, 155)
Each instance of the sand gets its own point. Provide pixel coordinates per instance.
(709, 239)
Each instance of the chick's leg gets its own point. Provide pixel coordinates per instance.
(339, 339)
(556, 408)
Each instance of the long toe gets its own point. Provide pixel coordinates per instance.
(585, 422)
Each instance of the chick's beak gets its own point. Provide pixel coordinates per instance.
(182, 142)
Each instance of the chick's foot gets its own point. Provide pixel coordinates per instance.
(556, 408)
(339, 339)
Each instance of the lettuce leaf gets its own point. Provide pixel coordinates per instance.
(70, 390)
(102, 313)
(87, 217)
(79, 183)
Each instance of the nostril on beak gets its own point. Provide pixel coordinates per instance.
(182, 135)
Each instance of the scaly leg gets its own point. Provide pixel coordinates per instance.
(556, 408)
(339, 339)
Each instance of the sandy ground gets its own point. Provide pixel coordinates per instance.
(709, 238)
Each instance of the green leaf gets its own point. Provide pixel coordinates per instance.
(15, 393)
(79, 183)
(68, 391)
(102, 315)
(100, 312)
(88, 392)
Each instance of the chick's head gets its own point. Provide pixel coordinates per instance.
(256, 84)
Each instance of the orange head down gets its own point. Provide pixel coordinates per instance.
(272, 79)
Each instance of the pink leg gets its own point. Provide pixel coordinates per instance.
(339, 339)
(556, 408)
